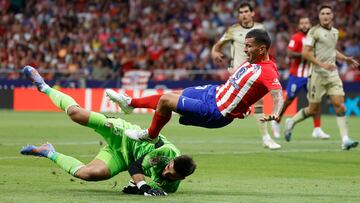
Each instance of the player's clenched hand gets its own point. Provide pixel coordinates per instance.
(246, 114)
(353, 62)
(218, 57)
(155, 192)
(270, 118)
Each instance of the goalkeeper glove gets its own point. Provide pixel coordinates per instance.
(148, 191)
(132, 189)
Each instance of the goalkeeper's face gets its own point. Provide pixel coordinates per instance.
(169, 172)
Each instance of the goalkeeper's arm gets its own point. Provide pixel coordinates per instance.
(137, 174)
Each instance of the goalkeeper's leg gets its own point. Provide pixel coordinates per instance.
(95, 170)
(61, 100)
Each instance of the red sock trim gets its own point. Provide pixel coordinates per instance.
(149, 102)
(157, 123)
(317, 122)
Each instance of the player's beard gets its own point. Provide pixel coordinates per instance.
(305, 32)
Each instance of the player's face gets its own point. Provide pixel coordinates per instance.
(304, 25)
(169, 172)
(245, 15)
(325, 17)
(253, 50)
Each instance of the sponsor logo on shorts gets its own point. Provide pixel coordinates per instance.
(183, 102)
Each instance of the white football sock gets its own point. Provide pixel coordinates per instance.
(341, 121)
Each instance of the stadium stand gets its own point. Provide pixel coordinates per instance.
(101, 40)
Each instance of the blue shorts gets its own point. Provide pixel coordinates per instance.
(294, 85)
(197, 107)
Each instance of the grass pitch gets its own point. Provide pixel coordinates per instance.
(232, 164)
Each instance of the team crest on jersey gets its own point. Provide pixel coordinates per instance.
(240, 72)
(156, 160)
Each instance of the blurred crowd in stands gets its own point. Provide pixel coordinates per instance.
(172, 39)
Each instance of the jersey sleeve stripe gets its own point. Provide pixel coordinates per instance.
(239, 96)
(233, 96)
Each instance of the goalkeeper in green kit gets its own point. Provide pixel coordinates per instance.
(162, 162)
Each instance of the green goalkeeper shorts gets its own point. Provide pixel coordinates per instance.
(117, 154)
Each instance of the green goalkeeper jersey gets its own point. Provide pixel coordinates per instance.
(154, 163)
(127, 151)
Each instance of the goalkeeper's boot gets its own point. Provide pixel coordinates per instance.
(320, 134)
(348, 144)
(275, 126)
(33, 75)
(122, 100)
(289, 124)
(270, 143)
(45, 150)
(140, 135)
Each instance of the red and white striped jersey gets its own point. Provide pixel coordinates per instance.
(247, 85)
(299, 66)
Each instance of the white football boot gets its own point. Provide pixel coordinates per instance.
(289, 124)
(348, 144)
(122, 100)
(140, 135)
(270, 143)
(320, 134)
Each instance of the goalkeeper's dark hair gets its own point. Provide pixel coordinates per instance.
(184, 165)
(260, 36)
(246, 4)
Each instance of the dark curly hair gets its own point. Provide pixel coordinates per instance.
(184, 165)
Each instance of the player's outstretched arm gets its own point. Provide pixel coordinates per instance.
(293, 54)
(278, 103)
(216, 53)
(349, 60)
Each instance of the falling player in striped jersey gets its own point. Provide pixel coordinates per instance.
(299, 72)
(235, 35)
(214, 106)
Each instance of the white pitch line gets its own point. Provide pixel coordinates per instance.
(206, 153)
(270, 151)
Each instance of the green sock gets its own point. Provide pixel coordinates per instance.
(67, 163)
(61, 100)
(300, 116)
